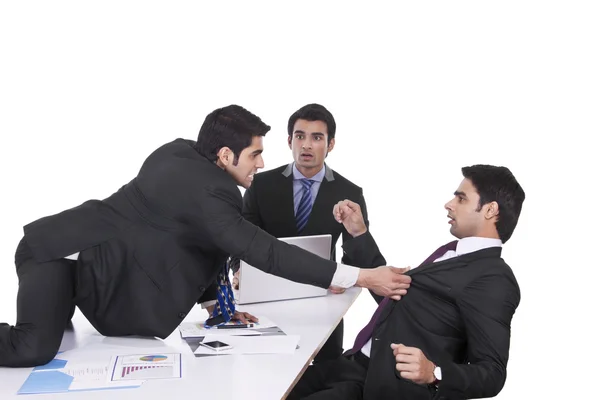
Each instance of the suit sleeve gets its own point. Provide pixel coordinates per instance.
(251, 213)
(222, 219)
(362, 251)
(487, 306)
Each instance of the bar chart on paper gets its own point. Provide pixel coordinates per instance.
(146, 372)
(146, 366)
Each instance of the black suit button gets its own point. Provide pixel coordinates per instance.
(201, 288)
(181, 315)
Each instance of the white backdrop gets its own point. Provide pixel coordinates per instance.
(418, 91)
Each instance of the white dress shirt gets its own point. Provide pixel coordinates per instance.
(464, 246)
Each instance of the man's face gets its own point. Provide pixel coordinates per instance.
(309, 146)
(249, 162)
(465, 219)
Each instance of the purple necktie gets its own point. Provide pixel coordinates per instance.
(366, 333)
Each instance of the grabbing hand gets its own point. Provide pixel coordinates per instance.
(385, 281)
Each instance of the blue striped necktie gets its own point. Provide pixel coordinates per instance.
(305, 205)
(225, 306)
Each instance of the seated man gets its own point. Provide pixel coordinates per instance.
(449, 336)
(296, 199)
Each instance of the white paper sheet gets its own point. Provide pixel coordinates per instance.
(145, 366)
(279, 344)
(94, 377)
(68, 376)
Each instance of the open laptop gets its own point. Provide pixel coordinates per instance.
(257, 286)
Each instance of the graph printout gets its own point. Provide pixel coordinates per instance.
(146, 366)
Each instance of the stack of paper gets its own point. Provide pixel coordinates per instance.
(118, 372)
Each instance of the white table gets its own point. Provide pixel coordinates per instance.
(265, 377)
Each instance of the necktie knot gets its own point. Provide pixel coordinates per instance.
(451, 246)
(307, 183)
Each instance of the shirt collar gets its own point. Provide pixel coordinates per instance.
(317, 178)
(473, 243)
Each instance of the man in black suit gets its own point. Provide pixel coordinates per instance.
(274, 201)
(448, 338)
(136, 262)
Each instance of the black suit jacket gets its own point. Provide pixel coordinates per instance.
(458, 312)
(154, 248)
(269, 203)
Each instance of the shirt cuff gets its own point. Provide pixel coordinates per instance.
(207, 304)
(345, 276)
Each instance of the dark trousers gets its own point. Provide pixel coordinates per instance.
(333, 347)
(44, 308)
(343, 379)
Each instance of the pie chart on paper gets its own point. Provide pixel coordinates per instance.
(153, 358)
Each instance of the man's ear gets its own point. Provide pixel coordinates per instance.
(492, 210)
(290, 141)
(224, 157)
(330, 145)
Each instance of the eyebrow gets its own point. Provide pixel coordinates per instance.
(457, 193)
(257, 152)
(299, 131)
